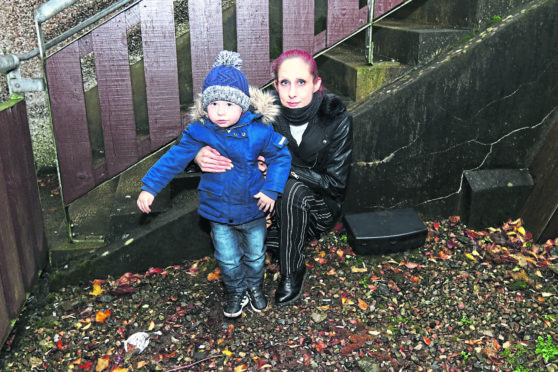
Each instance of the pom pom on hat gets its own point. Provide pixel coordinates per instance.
(225, 82)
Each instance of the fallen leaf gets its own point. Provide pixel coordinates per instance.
(444, 256)
(97, 290)
(154, 270)
(86, 366)
(102, 363)
(102, 315)
(346, 300)
(411, 265)
(141, 364)
(362, 305)
(215, 275)
(523, 261)
(359, 269)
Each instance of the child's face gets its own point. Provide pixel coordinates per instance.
(224, 113)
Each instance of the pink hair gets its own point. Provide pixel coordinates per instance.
(293, 53)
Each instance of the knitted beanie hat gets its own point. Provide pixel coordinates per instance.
(225, 82)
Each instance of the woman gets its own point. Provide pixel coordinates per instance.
(319, 130)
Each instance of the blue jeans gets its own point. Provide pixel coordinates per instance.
(240, 253)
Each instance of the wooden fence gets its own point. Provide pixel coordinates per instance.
(82, 166)
(23, 248)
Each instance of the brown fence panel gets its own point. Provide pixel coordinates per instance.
(10, 269)
(22, 240)
(67, 102)
(206, 37)
(383, 6)
(4, 317)
(298, 25)
(253, 29)
(159, 56)
(112, 63)
(343, 18)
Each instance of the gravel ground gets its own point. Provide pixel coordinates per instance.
(465, 301)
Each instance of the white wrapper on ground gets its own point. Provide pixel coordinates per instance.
(138, 340)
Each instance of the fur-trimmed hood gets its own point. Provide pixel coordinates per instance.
(261, 103)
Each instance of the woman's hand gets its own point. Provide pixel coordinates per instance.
(262, 165)
(209, 160)
(265, 203)
(145, 199)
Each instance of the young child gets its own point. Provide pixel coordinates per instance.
(236, 201)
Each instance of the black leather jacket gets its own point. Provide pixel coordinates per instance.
(323, 159)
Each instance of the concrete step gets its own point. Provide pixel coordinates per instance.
(125, 214)
(412, 43)
(350, 75)
(107, 218)
(170, 238)
(89, 215)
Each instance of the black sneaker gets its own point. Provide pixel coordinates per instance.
(235, 303)
(258, 301)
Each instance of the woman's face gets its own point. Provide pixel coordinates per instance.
(295, 83)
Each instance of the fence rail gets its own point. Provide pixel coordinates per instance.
(23, 248)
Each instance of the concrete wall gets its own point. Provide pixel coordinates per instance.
(487, 105)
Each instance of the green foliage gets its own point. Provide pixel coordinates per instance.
(519, 285)
(465, 320)
(14, 98)
(513, 356)
(465, 356)
(495, 19)
(547, 349)
(396, 321)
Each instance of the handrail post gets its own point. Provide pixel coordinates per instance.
(369, 43)
(46, 12)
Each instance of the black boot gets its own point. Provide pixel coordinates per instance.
(290, 287)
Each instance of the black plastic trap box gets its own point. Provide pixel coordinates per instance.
(385, 231)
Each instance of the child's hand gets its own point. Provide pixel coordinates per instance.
(265, 203)
(145, 199)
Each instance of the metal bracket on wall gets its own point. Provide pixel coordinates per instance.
(16, 84)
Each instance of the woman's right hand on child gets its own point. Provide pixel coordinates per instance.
(209, 160)
(262, 165)
(145, 199)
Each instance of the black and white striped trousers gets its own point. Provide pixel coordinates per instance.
(300, 215)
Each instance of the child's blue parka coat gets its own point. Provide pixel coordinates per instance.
(229, 197)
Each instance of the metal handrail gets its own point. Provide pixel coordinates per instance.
(10, 63)
(43, 14)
